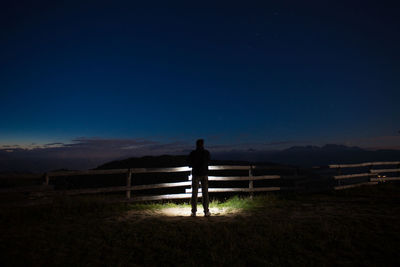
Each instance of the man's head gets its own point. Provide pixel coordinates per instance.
(200, 144)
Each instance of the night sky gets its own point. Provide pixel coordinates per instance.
(247, 75)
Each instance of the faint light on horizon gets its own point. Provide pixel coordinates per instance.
(8, 148)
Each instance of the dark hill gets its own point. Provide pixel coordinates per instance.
(162, 162)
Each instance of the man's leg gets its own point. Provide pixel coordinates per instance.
(195, 188)
(204, 191)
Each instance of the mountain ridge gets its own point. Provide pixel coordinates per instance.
(302, 156)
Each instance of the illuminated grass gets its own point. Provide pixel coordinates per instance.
(245, 203)
(154, 206)
(236, 202)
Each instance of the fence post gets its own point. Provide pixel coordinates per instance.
(251, 185)
(370, 171)
(46, 178)
(128, 184)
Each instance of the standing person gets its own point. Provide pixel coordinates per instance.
(199, 160)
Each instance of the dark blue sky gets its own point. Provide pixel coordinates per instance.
(289, 73)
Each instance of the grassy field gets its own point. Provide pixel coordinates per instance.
(358, 226)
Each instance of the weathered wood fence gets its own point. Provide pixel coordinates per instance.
(344, 175)
(369, 171)
(130, 174)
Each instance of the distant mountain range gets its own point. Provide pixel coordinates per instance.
(303, 156)
(308, 156)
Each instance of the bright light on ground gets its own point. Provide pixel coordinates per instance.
(229, 207)
(185, 211)
(178, 212)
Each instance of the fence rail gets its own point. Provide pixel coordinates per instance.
(366, 164)
(374, 175)
(131, 191)
(370, 176)
(349, 176)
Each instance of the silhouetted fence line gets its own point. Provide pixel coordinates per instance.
(372, 175)
(349, 176)
(132, 189)
(365, 164)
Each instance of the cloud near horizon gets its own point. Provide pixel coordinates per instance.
(95, 147)
(81, 153)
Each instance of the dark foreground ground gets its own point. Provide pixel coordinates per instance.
(353, 227)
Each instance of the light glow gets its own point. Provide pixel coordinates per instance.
(186, 211)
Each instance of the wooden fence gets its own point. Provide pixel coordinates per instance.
(130, 174)
(371, 174)
(366, 173)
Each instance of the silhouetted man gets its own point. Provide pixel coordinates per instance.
(198, 160)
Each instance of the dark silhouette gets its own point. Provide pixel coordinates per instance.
(166, 161)
(199, 160)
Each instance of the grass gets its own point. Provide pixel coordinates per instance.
(359, 226)
(233, 203)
